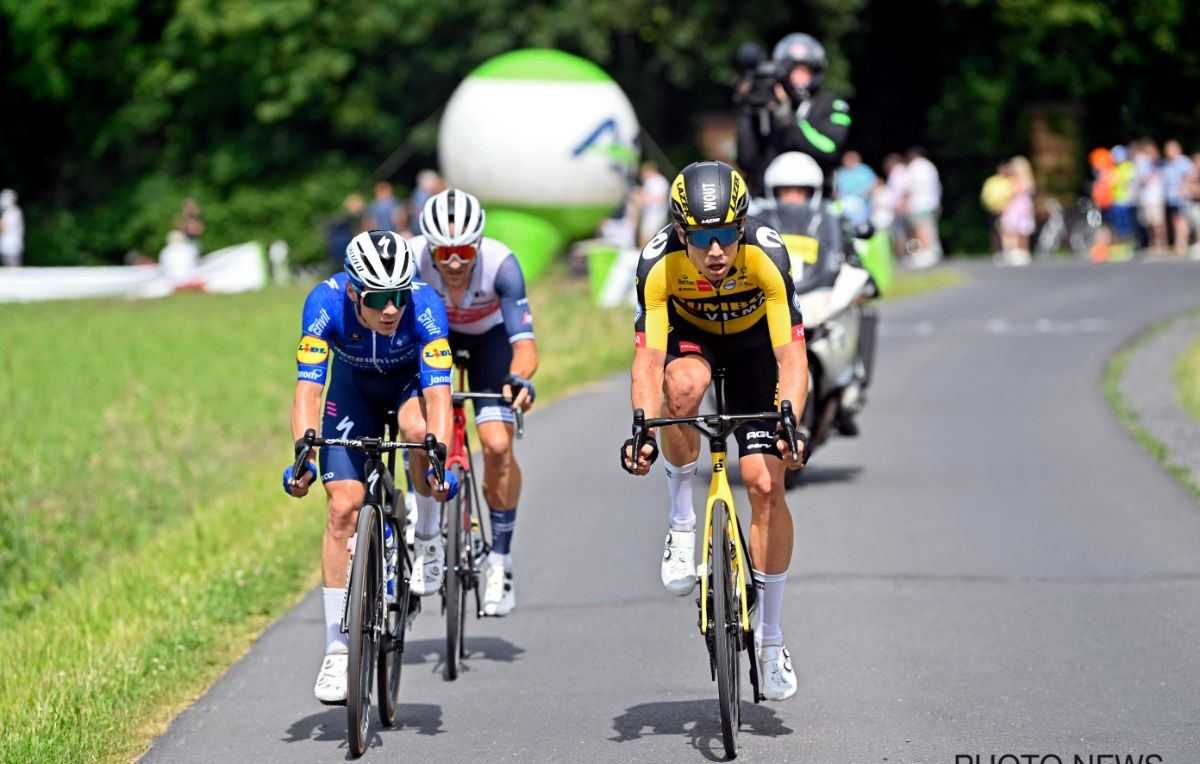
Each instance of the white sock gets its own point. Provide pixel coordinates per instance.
(429, 517)
(495, 558)
(679, 495)
(771, 605)
(335, 600)
(756, 577)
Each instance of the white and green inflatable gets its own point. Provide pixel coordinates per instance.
(547, 141)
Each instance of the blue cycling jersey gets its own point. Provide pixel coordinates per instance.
(330, 326)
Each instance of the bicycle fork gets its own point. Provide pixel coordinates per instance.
(719, 490)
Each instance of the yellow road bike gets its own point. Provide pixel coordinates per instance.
(727, 595)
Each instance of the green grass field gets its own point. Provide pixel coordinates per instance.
(1187, 379)
(144, 539)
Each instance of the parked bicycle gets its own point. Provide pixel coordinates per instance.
(727, 596)
(379, 601)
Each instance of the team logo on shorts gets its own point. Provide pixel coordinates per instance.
(437, 354)
(312, 350)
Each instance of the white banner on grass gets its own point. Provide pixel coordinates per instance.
(239, 268)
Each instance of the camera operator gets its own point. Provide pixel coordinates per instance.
(782, 107)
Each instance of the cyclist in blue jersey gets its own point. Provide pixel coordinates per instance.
(383, 335)
(484, 289)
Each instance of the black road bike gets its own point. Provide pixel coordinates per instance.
(374, 619)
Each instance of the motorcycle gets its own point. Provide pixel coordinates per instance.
(832, 289)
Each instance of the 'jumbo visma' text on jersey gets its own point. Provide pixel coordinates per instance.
(495, 295)
(758, 287)
(329, 326)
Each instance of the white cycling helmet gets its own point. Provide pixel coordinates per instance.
(379, 260)
(452, 218)
(793, 169)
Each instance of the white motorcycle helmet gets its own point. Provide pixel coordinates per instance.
(794, 169)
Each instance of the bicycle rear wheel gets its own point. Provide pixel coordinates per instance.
(395, 624)
(459, 564)
(726, 629)
(364, 605)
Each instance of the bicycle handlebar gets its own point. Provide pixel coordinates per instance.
(721, 425)
(435, 451)
(518, 414)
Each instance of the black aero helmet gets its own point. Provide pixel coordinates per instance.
(708, 194)
(799, 48)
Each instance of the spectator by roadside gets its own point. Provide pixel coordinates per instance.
(1124, 192)
(897, 192)
(852, 183)
(429, 183)
(190, 221)
(343, 228)
(1151, 196)
(178, 260)
(386, 213)
(922, 206)
(1016, 221)
(12, 230)
(1175, 171)
(653, 199)
(996, 192)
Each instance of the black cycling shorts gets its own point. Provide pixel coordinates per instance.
(751, 377)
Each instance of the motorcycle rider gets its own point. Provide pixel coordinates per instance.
(803, 116)
(819, 243)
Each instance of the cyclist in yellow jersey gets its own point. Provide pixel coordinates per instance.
(714, 291)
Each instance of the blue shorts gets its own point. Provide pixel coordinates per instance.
(356, 406)
(491, 358)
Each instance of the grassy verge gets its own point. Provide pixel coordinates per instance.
(1187, 379)
(909, 283)
(1111, 383)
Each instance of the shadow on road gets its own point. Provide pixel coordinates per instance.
(423, 652)
(330, 725)
(697, 720)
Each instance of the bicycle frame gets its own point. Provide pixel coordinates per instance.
(718, 489)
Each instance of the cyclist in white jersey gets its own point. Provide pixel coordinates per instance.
(482, 285)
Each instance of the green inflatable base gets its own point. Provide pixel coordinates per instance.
(879, 262)
(534, 240)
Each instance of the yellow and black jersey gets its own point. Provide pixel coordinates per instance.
(672, 292)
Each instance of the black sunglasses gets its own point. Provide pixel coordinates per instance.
(379, 299)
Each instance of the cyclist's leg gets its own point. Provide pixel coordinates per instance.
(346, 414)
(430, 554)
(688, 373)
(491, 358)
(771, 531)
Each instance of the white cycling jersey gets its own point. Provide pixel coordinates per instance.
(494, 297)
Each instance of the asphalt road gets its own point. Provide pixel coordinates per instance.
(993, 567)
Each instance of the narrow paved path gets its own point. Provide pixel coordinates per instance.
(994, 566)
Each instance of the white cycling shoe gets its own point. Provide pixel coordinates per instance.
(498, 596)
(679, 563)
(776, 677)
(331, 679)
(429, 565)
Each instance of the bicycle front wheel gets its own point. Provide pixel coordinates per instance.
(365, 606)
(391, 642)
(726, 628)
(458, 564)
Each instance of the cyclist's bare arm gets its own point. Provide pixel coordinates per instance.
(306, 415)
(525, 358)
(647, 388)
(793, 379)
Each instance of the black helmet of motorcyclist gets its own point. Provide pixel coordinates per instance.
(804, 59)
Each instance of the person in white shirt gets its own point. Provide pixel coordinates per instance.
(922, 204)
(654, 199)
(12, 230)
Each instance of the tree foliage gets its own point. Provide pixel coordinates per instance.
(127, 106)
